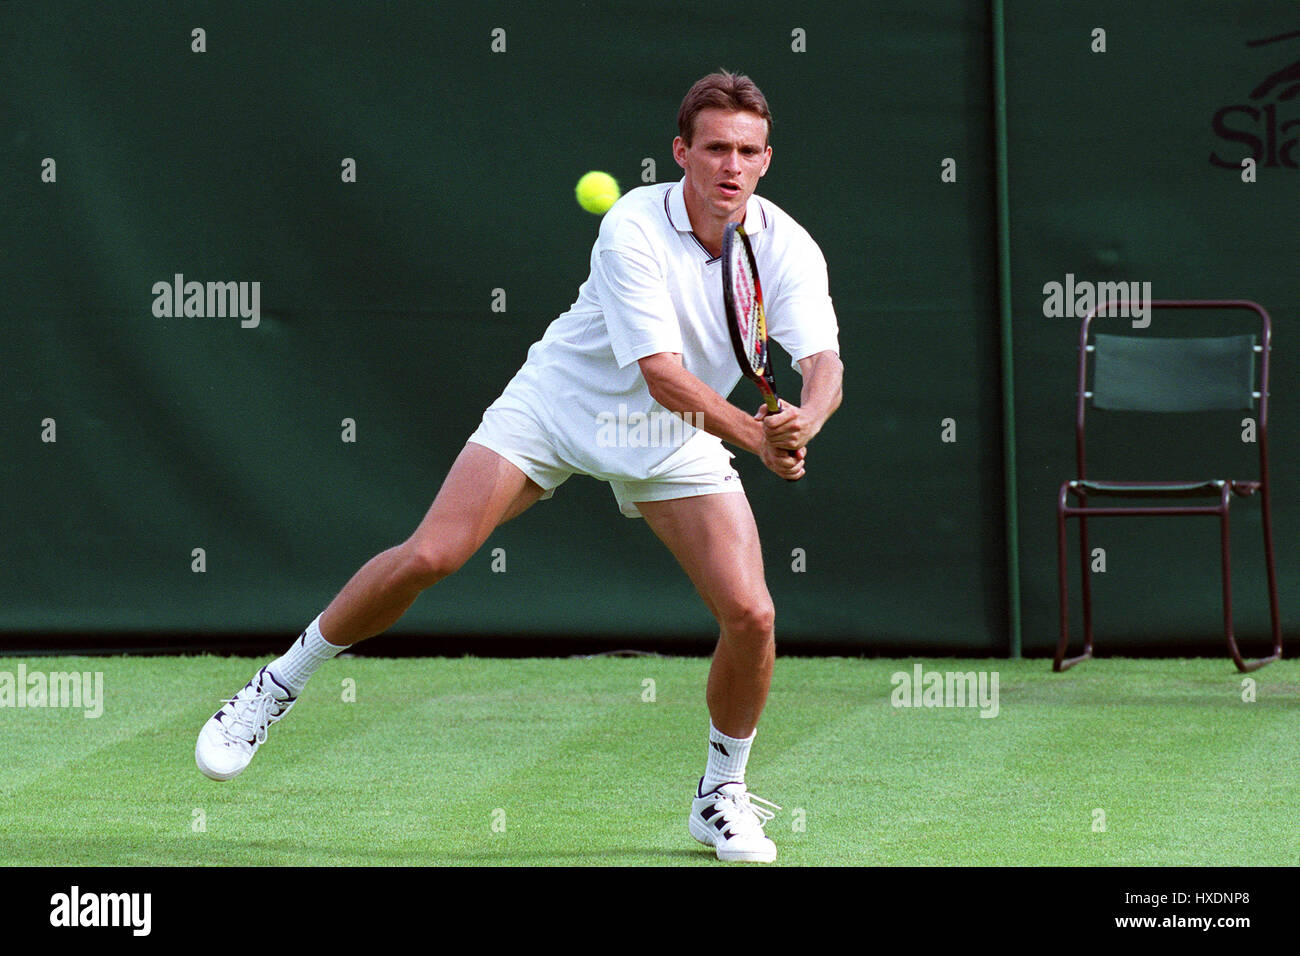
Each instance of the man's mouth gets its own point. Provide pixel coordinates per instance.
(730, 187)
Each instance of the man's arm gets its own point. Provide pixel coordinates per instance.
(678, 390)
(793, 427)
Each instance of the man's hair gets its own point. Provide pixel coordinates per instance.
(733, 92)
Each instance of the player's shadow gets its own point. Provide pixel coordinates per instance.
(290, 853)
(610, 855)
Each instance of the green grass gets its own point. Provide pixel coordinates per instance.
(587, 772)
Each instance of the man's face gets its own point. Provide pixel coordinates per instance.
(727, 157)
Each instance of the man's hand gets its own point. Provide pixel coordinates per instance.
(781, 461)
(791, 428)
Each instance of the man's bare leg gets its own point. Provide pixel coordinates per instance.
(481, 492)
(715, 540)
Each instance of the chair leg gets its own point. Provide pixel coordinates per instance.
(1062, 585)
(1271, 565)
(1225, 560)
(1225, 546)
(1060, 662)
(1085, 571)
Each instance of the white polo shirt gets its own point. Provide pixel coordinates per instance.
(655, 288)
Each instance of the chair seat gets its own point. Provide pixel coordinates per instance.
(1164, 489)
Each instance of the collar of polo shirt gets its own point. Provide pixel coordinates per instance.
(675, 203)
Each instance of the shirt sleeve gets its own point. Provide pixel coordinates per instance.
(800, 315)
(638, 308)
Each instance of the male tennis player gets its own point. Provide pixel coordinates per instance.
(647, 333)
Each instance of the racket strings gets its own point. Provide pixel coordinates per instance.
(747, 317)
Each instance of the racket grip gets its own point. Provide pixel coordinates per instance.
(792, 454)
(774, 405)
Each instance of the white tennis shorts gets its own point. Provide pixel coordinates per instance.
(701, 466)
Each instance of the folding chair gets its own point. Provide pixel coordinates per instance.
(1140, 373)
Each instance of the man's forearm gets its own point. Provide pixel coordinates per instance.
(823, 386)
(682, 392)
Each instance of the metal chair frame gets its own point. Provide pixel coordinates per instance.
(1081, 488)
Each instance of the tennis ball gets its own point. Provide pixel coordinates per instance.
(596, 192)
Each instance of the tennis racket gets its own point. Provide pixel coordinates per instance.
(742, 297)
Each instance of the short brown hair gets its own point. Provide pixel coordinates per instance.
(734, 92)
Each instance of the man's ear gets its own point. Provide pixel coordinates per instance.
(679, 151)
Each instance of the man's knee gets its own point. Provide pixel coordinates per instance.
(750, 622)
(426, 564)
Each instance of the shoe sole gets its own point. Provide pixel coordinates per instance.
(214, 774)
(729, 856)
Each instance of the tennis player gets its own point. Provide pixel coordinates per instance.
(646, 334)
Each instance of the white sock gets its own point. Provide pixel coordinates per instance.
(301, 660)
(727, 759)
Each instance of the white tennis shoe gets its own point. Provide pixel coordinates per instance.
(730, 820)
(232, 735)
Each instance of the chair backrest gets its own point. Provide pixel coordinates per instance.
(1137, 374)
(1140, 373)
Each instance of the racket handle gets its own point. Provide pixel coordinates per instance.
(774, 405)
(792, 455)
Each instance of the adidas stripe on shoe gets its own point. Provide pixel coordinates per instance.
(729, 820)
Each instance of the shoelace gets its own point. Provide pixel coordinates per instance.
(763, 814)
(748, 812)
(251, 713)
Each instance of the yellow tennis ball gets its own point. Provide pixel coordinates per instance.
(596, 192)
